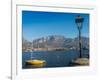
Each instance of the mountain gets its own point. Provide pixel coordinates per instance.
(50, 41)
(26, 44)
(54, 42)
(58, 41)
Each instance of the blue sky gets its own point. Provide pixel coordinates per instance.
(42, 24)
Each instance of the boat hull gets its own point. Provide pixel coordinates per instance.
(36, 63)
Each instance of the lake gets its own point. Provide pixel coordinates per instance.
(53, 58)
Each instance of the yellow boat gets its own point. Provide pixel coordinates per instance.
(36, 63)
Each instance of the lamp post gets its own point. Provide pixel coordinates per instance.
(79, 21)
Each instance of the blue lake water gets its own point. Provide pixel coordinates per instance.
(53, 58)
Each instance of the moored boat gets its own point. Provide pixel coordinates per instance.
(36, 63)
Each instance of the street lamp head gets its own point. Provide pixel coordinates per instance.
(79, 20)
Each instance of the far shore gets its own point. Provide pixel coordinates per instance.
(50, 50)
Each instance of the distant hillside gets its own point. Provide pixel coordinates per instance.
(56, 41)
(59, 41)
(26, 44)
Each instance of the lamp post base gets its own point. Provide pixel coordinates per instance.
(81, 61)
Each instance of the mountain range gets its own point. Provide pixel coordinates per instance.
(55, 41)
